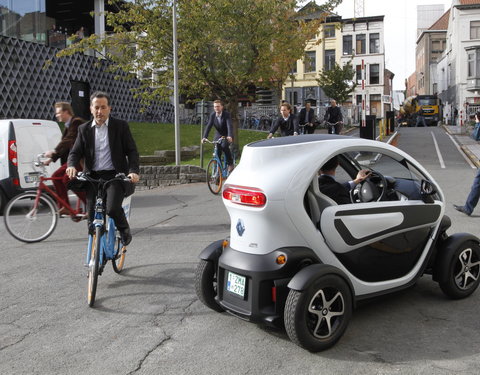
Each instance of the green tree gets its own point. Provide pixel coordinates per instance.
(338, 83)
(224, 46)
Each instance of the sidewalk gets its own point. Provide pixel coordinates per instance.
(469, 146)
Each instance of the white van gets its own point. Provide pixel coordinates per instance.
(20, 143)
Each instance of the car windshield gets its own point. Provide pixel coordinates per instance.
(427, 101)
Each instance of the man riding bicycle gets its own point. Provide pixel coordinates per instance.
(108, 148)
(334, 116)
(222, 121)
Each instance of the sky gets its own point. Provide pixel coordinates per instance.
(400, 25)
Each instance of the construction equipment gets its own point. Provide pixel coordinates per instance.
(428, 106)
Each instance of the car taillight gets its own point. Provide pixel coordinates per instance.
(12, 152)
(244, 195)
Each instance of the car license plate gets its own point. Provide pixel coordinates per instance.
(32, 178)
(236, 284)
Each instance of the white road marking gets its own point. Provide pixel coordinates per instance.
(439, 154)
(461, 152)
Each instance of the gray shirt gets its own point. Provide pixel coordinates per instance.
(103, 158)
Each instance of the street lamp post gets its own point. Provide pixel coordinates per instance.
(175, 86)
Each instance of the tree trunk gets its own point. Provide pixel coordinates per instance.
(232, 107)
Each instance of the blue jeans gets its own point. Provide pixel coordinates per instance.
(474, 195)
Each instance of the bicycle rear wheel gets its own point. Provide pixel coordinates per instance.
(214, 176)
(93, 266)
(30, 222)
(119, 258)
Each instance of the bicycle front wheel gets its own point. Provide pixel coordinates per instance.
(119, 258)
(93, 266)
(28, 220)
(214, 176)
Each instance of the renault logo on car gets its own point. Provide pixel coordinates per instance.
(240, 227)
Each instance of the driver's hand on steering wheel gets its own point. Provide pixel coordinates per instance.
(362, 175)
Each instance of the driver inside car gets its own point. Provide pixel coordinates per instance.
(339, 192)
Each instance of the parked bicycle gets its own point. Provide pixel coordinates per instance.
(217, 170)
(334, 127)
(104, 242)
(32, 216)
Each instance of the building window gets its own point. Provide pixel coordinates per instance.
(329, 31)
(294, 68)
(375, 43)
(347, 45)
(475, 30)
(473, 61)
(310, 62)
(358, 73)
(329, 59)
(374, 74)
(360, 47)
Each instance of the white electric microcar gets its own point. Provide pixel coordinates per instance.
(296, 258)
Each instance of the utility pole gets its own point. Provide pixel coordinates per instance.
(175, 86)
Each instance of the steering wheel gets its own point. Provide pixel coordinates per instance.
(374, 188)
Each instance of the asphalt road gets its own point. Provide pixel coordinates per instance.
(148, 320)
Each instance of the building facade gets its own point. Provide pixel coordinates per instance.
(457, 72)
(363, 46)
(31, 33)
(318, 56)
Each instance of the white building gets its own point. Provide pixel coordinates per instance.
(457, 73)
(363, 42)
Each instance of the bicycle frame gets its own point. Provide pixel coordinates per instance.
(44, 187)
(222, 163)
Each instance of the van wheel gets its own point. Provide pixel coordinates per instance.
(317, 317)
(3, 202)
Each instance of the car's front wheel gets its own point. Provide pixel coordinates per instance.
(317, 317)
(206, 284)
(461, 270)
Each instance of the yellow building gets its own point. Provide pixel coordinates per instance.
(318, 57)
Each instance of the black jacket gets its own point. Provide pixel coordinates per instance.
(224, 129)
(123, 149)
(302, 116)
(286, 127)
(340, 193)
(333, 114)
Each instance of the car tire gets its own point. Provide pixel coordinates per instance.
(317, 317)
(206, 284)
(459, 270)
(3, 202)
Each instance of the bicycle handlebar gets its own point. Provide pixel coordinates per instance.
(118, 177)
(218, 141)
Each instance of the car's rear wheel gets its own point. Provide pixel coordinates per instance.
(206, 284)
(317, 317)
(461, 270)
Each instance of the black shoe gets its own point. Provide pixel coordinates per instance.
(461, 209)
(126, 236)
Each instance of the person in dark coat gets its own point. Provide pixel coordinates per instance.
(64, 113)
(108, 148)
(334, 115)
(340, 193)
(287, 122)
(307, 118)
(222, 121)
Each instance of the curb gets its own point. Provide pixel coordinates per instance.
(470, 155)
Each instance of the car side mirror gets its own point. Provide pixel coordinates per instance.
(426, 191)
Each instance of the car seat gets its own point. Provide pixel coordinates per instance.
(317, 202)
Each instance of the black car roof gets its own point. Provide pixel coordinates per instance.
(282, 141)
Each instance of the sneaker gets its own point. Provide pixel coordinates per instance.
(462, 209)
